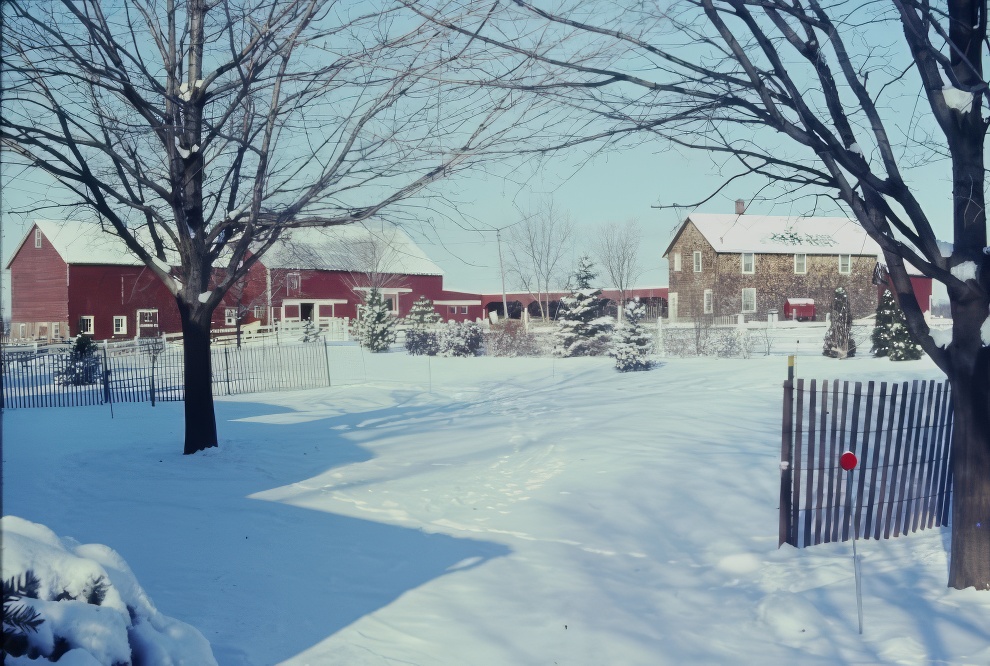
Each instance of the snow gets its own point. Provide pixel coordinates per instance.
(960, 100)
(985, 332)
(205, 296)
(964, 271)
(941, 336)
(775, 234)
(488, 511)
(183, 153)
(945, 248)
(856, 149)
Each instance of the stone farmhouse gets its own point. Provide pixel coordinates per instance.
(72, 277)
(726, 265)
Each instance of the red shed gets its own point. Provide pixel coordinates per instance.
(801, 309)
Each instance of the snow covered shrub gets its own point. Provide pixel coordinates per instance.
(632, 344)
(718, 341)
(82, 365)
(839, 340)
(422, 343)
(90, 606)
(510, 338)
(422, 314)
(891, 337)
(19, 619)
(376, 326)
(460, 340)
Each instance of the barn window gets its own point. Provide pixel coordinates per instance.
(119, 325)
(697, 262)
(845, 264)
(55, 330)
(86, 325)
(748, 263)
(258, 312)
(677, 262)
(749, 300)
(37, 237)
(230, 316)
(292, 283)
(800, 264)
(708, 301)
(453, 309)
(463, 309)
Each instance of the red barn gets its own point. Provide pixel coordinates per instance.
(72, 277)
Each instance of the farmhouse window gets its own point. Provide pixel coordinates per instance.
(749, 300)
(708, 301)
(748, 263)
(845, 264)
(677, 262)
(119, 325)
(37, 237)
(697, 262)
(800, 264)
(86, 324)
(230, 316)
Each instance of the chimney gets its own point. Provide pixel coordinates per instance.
(740, 206)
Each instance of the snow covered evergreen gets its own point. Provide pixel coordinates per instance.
(376, 327)
(885, 318)
(310, 333)
(632, 343)
(839, 342)
(891, 337)
(422, 314)
(583, 332)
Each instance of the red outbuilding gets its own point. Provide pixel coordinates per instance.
(72, 277)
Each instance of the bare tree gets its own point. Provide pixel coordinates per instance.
(617, 247)
(538, 250)
(830, 100)
(199, 131)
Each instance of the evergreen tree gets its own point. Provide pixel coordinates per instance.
(376, 327)
(310, 333)
(887, 311)
(583, 332)
(422, 314)
(82, 365)
(633, 344)
(839, 342)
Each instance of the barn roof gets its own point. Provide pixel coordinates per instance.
(353, 247)
(81, 243)
(775, 234)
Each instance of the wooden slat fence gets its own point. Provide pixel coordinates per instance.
(901, 434)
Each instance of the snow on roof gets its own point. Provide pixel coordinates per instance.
(773, 234)
(801, 301)
(83, 243)
(351, 247)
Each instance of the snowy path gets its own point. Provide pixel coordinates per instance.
(521, 513)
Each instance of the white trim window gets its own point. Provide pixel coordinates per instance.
(697, 262)
(677, 262)
(55, 330)
(845, 264)
(86, 324)
(748, 260)
(749, 300)
(119, 325)
(293, 284)
(708, 301)
(800, 264)
(230, 316)
(37, 238)
(259, 312)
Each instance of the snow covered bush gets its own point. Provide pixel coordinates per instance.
(510, 338)
(460, 340)
(420, 342)
(91, 607)
(82, 365)
(714, 341)
(422, 314)
(632, 344)
(376, 326)
(891, 337)
(839, 339)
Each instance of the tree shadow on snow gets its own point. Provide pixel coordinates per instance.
(262, 580)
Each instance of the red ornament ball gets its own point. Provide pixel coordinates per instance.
(848, 461)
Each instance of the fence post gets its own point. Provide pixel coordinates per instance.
(786, 435)
(326, 354)
(107, 394)
(226, 368)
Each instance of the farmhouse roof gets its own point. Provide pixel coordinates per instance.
(774, 234)
(82, 243)
(352, 247)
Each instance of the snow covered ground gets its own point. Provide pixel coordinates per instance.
(491, 511)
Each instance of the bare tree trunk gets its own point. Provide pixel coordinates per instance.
(970, 558)
(201, 423)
